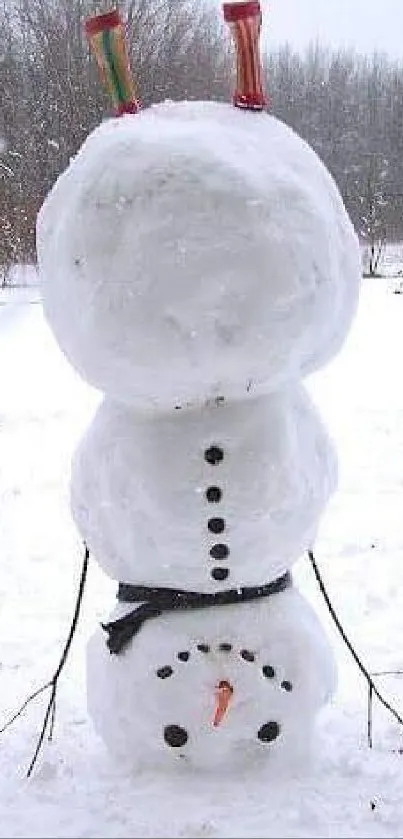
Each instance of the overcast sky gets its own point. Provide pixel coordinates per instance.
(363, 24)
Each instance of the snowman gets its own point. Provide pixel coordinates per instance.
(197, 264)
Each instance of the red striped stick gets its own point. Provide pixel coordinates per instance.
(106, 35)
(245, 19)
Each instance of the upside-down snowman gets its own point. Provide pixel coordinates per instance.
(198, 262)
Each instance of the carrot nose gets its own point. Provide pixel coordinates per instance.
(223, 695)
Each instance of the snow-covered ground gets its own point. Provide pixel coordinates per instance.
(18, 279)
(392, 260)
(77, 790)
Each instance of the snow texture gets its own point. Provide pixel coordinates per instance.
(194, 251)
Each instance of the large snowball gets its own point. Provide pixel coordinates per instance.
(278, 663)
(195, 250)
(139, 490)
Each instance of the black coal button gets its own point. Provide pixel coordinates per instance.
(220, 574)
(216, 525)
(213, 495)
(219, 551)
(214, 455)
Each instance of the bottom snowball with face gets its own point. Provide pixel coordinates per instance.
(224, 688)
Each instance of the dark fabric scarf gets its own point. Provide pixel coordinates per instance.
(155, 601)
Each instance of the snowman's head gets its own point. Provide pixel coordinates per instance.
(194, 252)
(219, 688)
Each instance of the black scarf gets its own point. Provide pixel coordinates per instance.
(155, 601)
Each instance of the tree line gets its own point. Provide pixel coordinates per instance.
(349, 107)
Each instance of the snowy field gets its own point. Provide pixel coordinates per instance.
(76, 789)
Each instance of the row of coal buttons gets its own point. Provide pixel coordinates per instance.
(220, 551)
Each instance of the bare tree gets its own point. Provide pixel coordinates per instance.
(349, 107)
(374, 205)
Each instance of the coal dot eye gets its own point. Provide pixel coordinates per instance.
(268, 671)
(225, 648)
(247, 655)
(286, 685)
(269, 732)
(203, 648)
(175, 736)
(184, 656)
(164, 672)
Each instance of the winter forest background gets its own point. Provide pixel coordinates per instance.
(348, 106)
